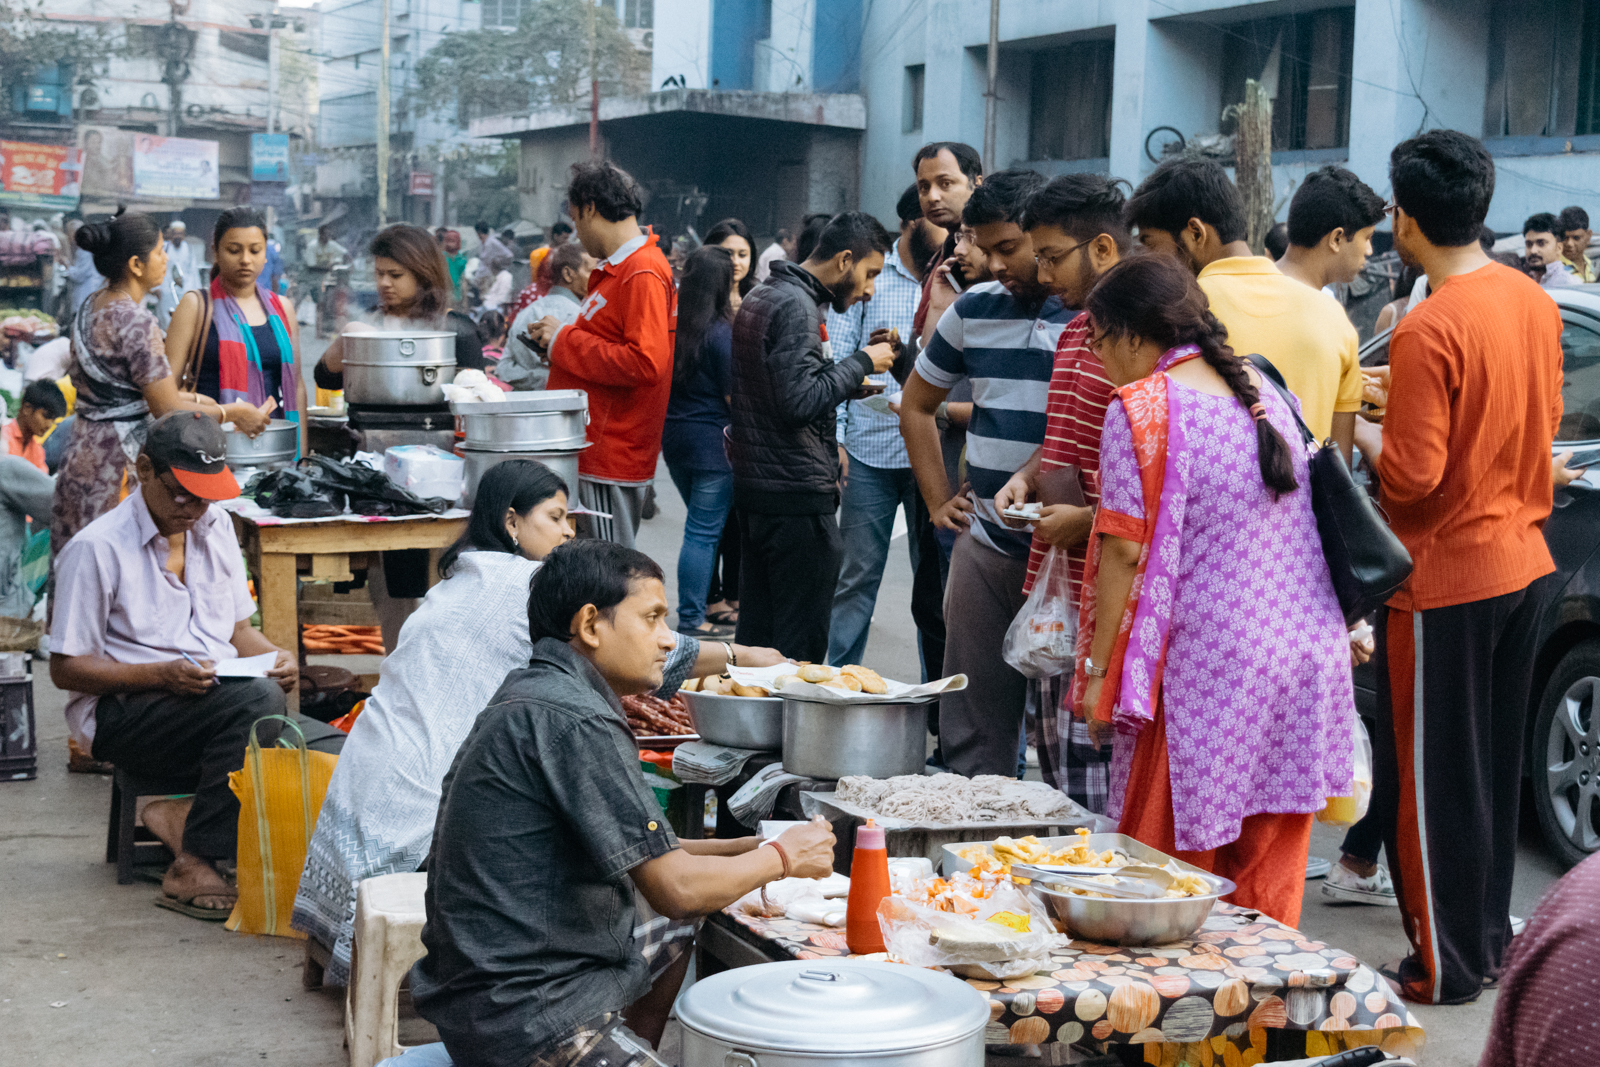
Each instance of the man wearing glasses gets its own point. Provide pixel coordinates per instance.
(149, 599)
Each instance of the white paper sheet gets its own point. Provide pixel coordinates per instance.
(247, 666)
(898, 692)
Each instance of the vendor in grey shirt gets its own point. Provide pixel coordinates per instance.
(546, 826)
(521, 367)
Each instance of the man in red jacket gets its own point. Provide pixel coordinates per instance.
(619, 350)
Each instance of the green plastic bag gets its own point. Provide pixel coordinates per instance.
(35, 568)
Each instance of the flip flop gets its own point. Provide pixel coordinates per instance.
(193, 911)
(726, 617)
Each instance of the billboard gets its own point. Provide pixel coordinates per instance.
(269, 157)
(39, 175)
(118, 163)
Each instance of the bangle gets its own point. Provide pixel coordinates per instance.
(782, 855)
(1091, 670)
(733, 660)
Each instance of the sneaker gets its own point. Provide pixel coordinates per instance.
(1346, 886)
(1518, 924)
(1317, 867)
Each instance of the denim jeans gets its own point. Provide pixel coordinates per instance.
(866, 522)
(708, 495)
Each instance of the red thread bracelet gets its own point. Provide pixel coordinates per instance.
(782, 855)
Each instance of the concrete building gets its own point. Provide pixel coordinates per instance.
(1090, 85)
(757, 114)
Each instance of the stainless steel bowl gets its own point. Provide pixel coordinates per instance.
(1133, 922)
(273, 447)
(563, 462)
(542, 420)
(828, 741)
(738, 722)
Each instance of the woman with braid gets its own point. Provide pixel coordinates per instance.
(1211, 645)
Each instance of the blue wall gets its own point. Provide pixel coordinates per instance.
(836, 47)
(736, 26)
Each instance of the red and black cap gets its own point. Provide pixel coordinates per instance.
(195, 448)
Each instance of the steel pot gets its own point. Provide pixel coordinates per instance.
(393, 367)
(809, 1013)
(822, 740)
(564, 462)
(738, 722)
(276, 446)
(536, 421)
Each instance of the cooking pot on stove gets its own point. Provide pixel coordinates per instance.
(811, 1013)
(408, 367)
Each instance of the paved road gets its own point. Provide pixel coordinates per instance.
(138, 985)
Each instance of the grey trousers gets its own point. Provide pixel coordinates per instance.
(624, 503)
(979, 726)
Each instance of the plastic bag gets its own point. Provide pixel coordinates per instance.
(293, 494)
(1039, 642)
(1002, 929)
(371, 492)
(1347, 811)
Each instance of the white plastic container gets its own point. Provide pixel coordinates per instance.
(426, 470)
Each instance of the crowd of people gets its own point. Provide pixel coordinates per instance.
(1072, 343)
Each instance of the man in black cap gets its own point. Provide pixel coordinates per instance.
(150, 599)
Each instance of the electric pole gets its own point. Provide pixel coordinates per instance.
(989, 100)
(594, 94)
(383, 118)
(174, 46)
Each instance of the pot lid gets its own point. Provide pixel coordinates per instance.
(397, 335)
(525, 402)
(833, 1006)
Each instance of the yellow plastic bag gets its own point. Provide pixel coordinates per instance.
(280, 792)
(1347, 811)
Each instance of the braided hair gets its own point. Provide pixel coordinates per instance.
(1156, 299)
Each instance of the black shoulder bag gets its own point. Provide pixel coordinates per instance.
(1366, 560)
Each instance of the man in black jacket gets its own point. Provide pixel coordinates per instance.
(786, 388)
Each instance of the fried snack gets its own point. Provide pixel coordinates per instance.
(783, 681)
(749, 691)
(871, 681)
(817, 672)
(691, 686)
(848, 682)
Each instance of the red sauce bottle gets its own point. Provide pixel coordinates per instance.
(869, 884)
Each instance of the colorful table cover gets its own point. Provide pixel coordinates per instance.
(1208, 1000)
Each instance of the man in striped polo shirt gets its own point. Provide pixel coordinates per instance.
(1002, 336)
(1075, 223)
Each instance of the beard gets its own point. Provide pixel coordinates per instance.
(922, 246)
(843, 291)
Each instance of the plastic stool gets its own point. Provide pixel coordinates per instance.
(124, 844)
(388, 940)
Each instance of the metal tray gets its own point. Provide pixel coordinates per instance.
(737, 722)
(668, 741)
(1120, 922)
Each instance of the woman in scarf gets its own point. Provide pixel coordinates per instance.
(121, 374)
(469, 633)
(247, 354)
(1211, 642)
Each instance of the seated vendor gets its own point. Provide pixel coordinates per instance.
(41, 405)
(546, 826)
(148, 598)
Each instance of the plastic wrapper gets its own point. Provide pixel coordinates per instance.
(1039, 642)
(989, 929)
(1347, 811)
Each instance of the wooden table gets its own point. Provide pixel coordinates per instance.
(325, 550)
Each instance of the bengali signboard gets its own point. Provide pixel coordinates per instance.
(421, 183)
(118, 163)
(40, 175)
(269, 157)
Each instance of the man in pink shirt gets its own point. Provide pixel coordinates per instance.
(149, 599)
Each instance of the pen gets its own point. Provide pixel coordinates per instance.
(194, 662)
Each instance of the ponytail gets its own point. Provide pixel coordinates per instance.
(1277, 465)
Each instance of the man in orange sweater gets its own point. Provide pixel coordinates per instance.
(619, 350)
(1464, 461)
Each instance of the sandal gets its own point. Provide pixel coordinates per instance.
(193, 910)
(725, 617)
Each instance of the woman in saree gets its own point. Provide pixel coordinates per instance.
(1211, 644)
(453, 653)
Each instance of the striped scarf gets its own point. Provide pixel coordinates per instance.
(239, 372)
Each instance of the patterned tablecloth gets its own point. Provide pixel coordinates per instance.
(1208, 1000)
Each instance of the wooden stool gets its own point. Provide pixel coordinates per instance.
(126, 842)
(388, 940)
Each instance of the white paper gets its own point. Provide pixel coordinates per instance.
(898, 692)
(247, 666)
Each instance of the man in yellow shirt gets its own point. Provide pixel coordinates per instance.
(1190, 209)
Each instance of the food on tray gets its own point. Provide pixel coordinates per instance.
(816, 672)
(650, 716)
(724, 686)
(785, 679)
(749, 691)
(950, 798)
(851, 678)
(847, 682)
(998, 858)
(871, 681)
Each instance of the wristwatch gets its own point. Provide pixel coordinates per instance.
(1091, 670)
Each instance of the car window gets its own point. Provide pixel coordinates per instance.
(1580, 382)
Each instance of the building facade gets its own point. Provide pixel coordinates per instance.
(1106, 85)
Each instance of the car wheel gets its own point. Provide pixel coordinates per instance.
(1565, 757)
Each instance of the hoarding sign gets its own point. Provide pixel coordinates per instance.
(117, 163)
(269, 157)
(421, 183)
(40, 175)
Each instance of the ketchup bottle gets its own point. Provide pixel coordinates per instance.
(869, 884)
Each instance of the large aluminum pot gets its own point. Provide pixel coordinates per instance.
(822, 740)
(276, 446)
(811, 1013)
(563, 462)
(738, 722)
(533, 421)
(398, 367)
